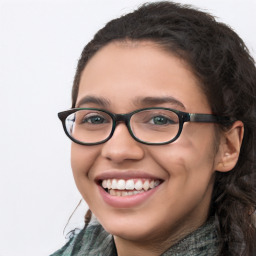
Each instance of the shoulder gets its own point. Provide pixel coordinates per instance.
(93, 240)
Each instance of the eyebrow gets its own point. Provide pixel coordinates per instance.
(140, 101)
(158, 100)
(95, 100)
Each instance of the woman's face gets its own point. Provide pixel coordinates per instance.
(121, 78)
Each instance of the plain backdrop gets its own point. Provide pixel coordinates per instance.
(40, 43)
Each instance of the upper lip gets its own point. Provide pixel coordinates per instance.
(125, 174)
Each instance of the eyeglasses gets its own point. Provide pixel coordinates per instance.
(151, 126)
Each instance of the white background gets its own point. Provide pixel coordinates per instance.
(40, 43)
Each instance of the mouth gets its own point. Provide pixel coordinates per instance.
(129, 187)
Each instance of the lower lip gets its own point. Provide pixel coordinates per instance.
(127, 201)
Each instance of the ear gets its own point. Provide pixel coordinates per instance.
(229, 147)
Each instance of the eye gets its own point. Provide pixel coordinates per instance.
(161, 120)
(94, 119)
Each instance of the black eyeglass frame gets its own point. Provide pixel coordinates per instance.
(183, 117)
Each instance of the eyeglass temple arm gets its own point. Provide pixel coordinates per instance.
(208, 118)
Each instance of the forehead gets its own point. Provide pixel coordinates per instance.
(122, 73)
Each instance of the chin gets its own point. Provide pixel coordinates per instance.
(133, 229)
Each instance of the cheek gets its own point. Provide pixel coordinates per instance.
(188, 163)
(82, 159)
(198, 143)
(191, 154)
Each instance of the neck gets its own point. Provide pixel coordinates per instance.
(153, 246)
(126, 248)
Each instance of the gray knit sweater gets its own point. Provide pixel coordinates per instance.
(95, 241)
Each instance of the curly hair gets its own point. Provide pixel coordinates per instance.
(220, 60)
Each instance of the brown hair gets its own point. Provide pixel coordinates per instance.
(221, 61)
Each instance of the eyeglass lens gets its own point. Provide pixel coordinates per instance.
(152, 126)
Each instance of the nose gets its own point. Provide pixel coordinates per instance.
(121, 146)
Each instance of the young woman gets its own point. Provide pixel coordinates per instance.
(163, 125)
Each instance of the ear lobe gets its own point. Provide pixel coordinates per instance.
(229, 148)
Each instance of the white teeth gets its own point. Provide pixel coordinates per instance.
(156, 183)
(113, 192)
(104, 184)
(124, 193)
(129, 185)
(138, 185)
(116, 187)
(121, 185)
(152, 184)
(109, 184)
(146, 185)
(114, 184)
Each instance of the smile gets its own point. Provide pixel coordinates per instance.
(130, 187)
